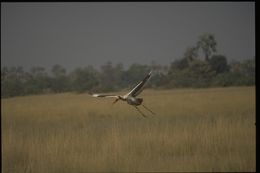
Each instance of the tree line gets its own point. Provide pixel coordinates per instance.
(200, 66)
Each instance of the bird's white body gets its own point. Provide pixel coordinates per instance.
(134, 101)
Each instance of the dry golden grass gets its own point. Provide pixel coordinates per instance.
(195, 130)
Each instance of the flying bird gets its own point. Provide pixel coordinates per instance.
(130, 97)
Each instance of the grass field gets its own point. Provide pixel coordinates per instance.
(194, 130)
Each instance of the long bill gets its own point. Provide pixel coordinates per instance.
(116, 100)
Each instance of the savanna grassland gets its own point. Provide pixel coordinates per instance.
(194, 130)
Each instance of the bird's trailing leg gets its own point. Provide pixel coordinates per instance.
(140, 112)
(148, 109)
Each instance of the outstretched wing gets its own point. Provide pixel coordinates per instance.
(104, 95)
(139, 87)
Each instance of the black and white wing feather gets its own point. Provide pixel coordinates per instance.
(140, 86)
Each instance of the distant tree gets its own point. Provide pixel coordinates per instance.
(159, 73)
(190, 71)
(58, 71)
(37, 81)
(191, 53)
(245, 70)
(198, 74)
(248, 68)
(240, 73)
(84, 79)
(118, 72)
(208, 45)
(179, 64)
(202, 73)
(4, 72)
(59, 81)
(109, 76)
(219, 63)
(135, 73)
(179, 78)
(12, 81)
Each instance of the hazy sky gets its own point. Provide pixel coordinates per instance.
(80, 34)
